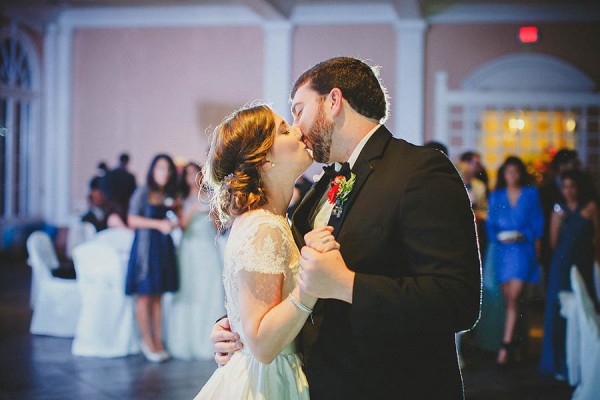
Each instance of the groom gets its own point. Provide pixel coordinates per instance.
(407, 275)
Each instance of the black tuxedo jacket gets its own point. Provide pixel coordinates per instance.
(408, 232)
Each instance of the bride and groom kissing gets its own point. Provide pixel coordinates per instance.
(361, 297)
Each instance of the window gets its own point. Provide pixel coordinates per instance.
(17, 97)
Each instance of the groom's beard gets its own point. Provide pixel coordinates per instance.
(320, 134)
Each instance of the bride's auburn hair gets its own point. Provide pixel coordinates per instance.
(238, 148)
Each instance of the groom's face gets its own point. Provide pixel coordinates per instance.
(308, 109)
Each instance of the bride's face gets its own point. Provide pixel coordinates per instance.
(289, 153)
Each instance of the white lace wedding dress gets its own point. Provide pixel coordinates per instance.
(259, 242)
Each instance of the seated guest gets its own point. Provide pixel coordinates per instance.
(95, 213)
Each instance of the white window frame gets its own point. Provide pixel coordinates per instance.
(29, 135)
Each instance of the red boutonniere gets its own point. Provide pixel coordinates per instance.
(338, 194)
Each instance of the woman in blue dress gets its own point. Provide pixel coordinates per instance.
(573, 232)
(515, 224)
(152, 268)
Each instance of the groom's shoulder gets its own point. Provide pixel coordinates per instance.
(405, 154)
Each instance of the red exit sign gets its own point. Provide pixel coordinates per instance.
(528, 34)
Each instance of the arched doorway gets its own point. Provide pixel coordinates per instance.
(523, 104)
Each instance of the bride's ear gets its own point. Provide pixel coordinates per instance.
(267, 165)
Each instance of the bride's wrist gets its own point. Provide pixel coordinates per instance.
(304, 297)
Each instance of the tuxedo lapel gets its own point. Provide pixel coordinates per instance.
(362, 168)
(306, 210)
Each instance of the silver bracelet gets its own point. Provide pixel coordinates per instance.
(301, 307)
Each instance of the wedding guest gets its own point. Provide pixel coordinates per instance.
(95, 214)
(469, 167)
(116, 216)
(574, 233)
(152, 268)
(437, 146)
(119, 184)
(550, 194)
(199, 301)
(515, 224)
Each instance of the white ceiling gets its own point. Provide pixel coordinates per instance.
(414, 8)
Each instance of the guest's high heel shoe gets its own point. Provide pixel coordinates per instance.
(150, 355)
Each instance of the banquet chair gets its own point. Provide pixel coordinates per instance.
(55, 301)
(79, 232)
(119, 239)
(588, 385)
(106, 327)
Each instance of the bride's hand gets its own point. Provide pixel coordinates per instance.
(321, 239)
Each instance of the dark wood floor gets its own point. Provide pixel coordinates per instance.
(38, 367)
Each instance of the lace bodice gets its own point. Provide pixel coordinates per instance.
(259, 242)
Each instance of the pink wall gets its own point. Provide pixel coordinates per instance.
(460, 49)
(374, 43)
(153, 90)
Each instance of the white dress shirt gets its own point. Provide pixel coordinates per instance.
(325, 207)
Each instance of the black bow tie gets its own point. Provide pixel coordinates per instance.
(331, 173)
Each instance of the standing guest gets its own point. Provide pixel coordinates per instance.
(470, 166)
(515, 224)
(199, 301)
(152, 268)
(119, 184)
(437, 146)
(550, 194)
(574, 232)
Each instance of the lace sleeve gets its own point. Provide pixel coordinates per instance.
(265, 249)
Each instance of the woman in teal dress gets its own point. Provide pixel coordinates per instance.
(573, 232)
(200, 299)
(515, 224)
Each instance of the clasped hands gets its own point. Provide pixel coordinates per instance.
(323, 274)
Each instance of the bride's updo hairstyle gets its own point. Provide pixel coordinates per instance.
(239, 147)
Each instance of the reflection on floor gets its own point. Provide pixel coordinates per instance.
(37, 367)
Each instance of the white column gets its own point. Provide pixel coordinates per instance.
(277, 70)
(408, 101)
(57, 124)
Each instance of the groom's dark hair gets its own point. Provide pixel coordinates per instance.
(360, 85)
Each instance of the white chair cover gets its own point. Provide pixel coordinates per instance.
(79, 232)
(568, 309)
(107, 325)
(588, 386)
(119, 239)
(56, 301)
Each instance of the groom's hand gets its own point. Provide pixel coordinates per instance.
(225, 343)
(325, 275)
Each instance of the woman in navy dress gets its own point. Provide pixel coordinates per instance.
(515, 224)
(152, 268)
(573, 232)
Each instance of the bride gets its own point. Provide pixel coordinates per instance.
(254, 160)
